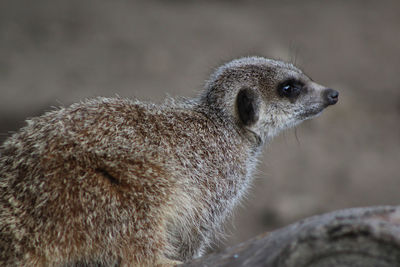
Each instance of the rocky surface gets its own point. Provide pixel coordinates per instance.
(367, 237)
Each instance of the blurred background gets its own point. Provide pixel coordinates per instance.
(58, 52)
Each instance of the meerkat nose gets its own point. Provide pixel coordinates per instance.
(331, 96)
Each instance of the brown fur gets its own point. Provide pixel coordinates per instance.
(112, 181)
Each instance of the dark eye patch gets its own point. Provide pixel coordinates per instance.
(290, 88)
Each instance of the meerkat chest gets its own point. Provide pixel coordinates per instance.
(214, 183)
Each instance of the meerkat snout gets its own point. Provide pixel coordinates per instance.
(120, 182)
(331, 96)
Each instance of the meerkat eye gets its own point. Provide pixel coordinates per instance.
(287, 89)
(290, 89)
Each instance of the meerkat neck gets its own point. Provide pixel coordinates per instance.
(217, 112)
(220, 118)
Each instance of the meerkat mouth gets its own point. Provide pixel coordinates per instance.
(314, 110)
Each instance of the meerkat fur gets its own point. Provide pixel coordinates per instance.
(120, 182)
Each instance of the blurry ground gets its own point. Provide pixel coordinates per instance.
(58, 52)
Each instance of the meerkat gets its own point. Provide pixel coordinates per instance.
(119, 182)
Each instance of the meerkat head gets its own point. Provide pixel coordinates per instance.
(265, 96)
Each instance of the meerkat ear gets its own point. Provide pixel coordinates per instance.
(248, 105)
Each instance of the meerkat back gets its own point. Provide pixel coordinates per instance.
(77, 186)
(117, 182)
